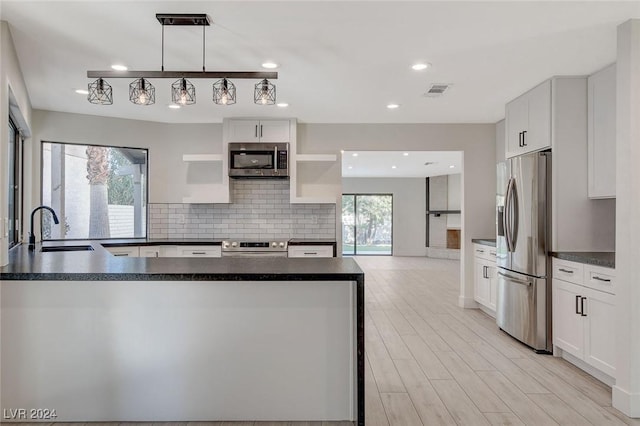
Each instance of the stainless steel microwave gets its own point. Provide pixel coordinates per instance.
(258, 160)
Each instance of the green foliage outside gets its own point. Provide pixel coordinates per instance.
(372, 220)
(120, 188)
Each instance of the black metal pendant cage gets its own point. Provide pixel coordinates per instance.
(141, 92)
(224, 92)
(183, 92)
(264, 93)
(100, 92)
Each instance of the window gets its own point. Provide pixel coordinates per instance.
(367, 224)
(15, 155)
(97, 192)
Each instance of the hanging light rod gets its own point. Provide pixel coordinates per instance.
(258, 75)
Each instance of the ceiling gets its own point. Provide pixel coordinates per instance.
(400, 163)
(340, 62)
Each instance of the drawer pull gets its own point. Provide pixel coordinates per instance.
(310, 252)
(606, 280)
(492, 253)
(479, 251)
(121, 254)
(578, 304)
(198, 252)
(565, 270)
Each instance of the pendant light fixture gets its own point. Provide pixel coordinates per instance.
(264, 93)
(141, 92)
(224, 92)
(100, 92)
(183, 92)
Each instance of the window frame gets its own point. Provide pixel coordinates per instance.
(355, 226)
(16, 162)
(146, 189)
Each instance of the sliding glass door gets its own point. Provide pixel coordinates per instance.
(367, 224)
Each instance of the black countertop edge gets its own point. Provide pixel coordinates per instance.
(319, 242)
(484, 241)
(62, 276)
(597, 258)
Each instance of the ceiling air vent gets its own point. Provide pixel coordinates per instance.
(436, 90)
(428, 163)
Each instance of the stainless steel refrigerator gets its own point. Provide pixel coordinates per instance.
(523, 307)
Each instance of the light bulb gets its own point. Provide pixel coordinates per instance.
(264, 98)
(225, 98)
(143, 99)
(183, 97)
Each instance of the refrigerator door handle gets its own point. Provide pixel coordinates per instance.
(513, 233)
(506, 216)
(515, 280)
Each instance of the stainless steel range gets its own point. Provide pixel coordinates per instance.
(276, 248)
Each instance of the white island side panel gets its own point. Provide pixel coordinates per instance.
(179, 350)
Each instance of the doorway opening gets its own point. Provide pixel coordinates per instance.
(367, 224)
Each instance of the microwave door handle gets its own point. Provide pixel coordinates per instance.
(275, 158)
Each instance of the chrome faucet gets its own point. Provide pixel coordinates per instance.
(32, 237)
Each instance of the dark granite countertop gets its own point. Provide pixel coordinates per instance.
(100, 265)
(484, 241)
(312, 242)
(599, 258)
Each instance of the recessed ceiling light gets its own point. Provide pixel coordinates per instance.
(452, 166)
(393, 106)
(269, 65)
(355, 154)
(406, 154)
(342, 151)
(420, 66)
(350, 167)
(174, 106)
(283, 104)
(119, 67)
(82, 91)
(393, 167)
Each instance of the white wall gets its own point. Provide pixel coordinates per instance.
(626, 392)
(409, 207)
(454, 201)
(166, 143)
(11, 81)
(477, 143)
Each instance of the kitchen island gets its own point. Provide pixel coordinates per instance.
(103, 338)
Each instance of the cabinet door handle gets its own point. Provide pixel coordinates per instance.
(582, 299)
(256, 130)
(606, 280)
(261, 130)
(521, 139)
(565, 270)
(484, 272)
(578, 305)
(524, 134)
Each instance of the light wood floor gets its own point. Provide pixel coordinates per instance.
(430, 362)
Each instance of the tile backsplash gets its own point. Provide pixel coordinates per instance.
(260, 210)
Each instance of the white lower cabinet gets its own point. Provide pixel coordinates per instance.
(310, 251)
(150, 251)
(125, 251)
(485, 277)
(583, 316)
(199, 251)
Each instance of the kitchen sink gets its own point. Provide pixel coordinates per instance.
(67, 248)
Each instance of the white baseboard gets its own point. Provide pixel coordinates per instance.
(628, 403)
(604, 378)
(467, 302)
(487, 311)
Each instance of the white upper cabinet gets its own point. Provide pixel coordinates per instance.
(528, 121)
(259, 131)
(602, 133)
